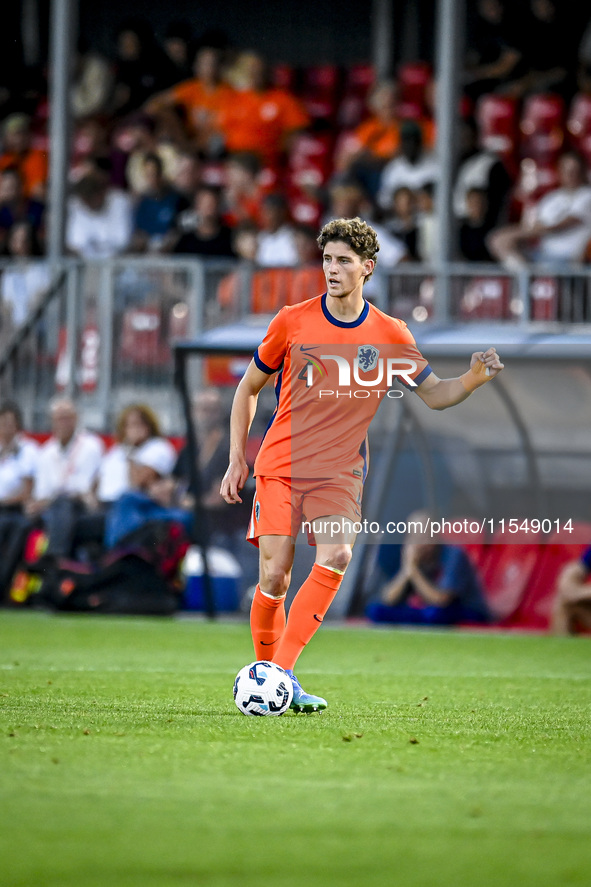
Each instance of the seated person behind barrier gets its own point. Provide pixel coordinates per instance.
(151, 493)
(18, 462)
(572, 604)
(66, 469)
(136, 424)
(560, 229)
(435, 585)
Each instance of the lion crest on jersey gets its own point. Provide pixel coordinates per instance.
(367, 357)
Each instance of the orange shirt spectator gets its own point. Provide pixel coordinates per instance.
(203, 99)
(261, 118)
(202, 103)
(31, 163)
(379, 138)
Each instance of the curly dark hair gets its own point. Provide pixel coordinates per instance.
(356, 233)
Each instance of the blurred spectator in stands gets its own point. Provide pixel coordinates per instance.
(572, 604)
(92, 82)
(18, 153)
(237, 290)
(156, 211)
(559, 228)
(66, 470)
(151, 495)
(18, 466)
(401, 221)
(548, 48)
(427, 226)
(187, 175)
(481, 169)
(136, 424)
(203, 100)
(262, 119)
(202, 231)
(140, 137)
(349, 200)
(277, 243)
(26, 279)
(308, 277)
(213, 442)
(90, 144)
(243, 192)
(99, 220)
(413, 166)
(495, 52)
(176, 43)
(15, 207)
(376, 140)
(435, 585)
(474, 227)
(139, 67)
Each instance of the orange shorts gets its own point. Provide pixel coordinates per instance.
(282, 504)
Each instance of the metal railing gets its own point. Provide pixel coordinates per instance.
(103, 332)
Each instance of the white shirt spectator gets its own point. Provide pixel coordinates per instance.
(568, 245)
(100, 234)
(400, 172)
(68, 470)
(278, 248)
(18, 463)
(113, 473)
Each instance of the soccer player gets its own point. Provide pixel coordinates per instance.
(335, 357)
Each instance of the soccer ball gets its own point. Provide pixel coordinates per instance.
(263, 688)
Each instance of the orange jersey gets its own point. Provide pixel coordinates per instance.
(380, 139)
(203, 107)
(33, 168)
(260, 121)
(332, 377)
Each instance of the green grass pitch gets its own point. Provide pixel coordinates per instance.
(444, 759)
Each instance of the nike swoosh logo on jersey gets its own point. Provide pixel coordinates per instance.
(318, 618)
(269, 644)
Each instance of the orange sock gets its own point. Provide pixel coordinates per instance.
(307, 612)
(267, 621)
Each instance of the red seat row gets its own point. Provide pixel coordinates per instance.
(540, 129)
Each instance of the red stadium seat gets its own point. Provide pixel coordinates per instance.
(486, 297)
(353, 107)
(320, 93)
(310, 160)
(304, 208)
(542, 127)
(414, 79)
(544, 298)
(496, 116)
(141, 343)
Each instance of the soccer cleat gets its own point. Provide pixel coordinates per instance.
(302, 701)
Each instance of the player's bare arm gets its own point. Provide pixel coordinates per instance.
(439, 394)
(243, 410)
